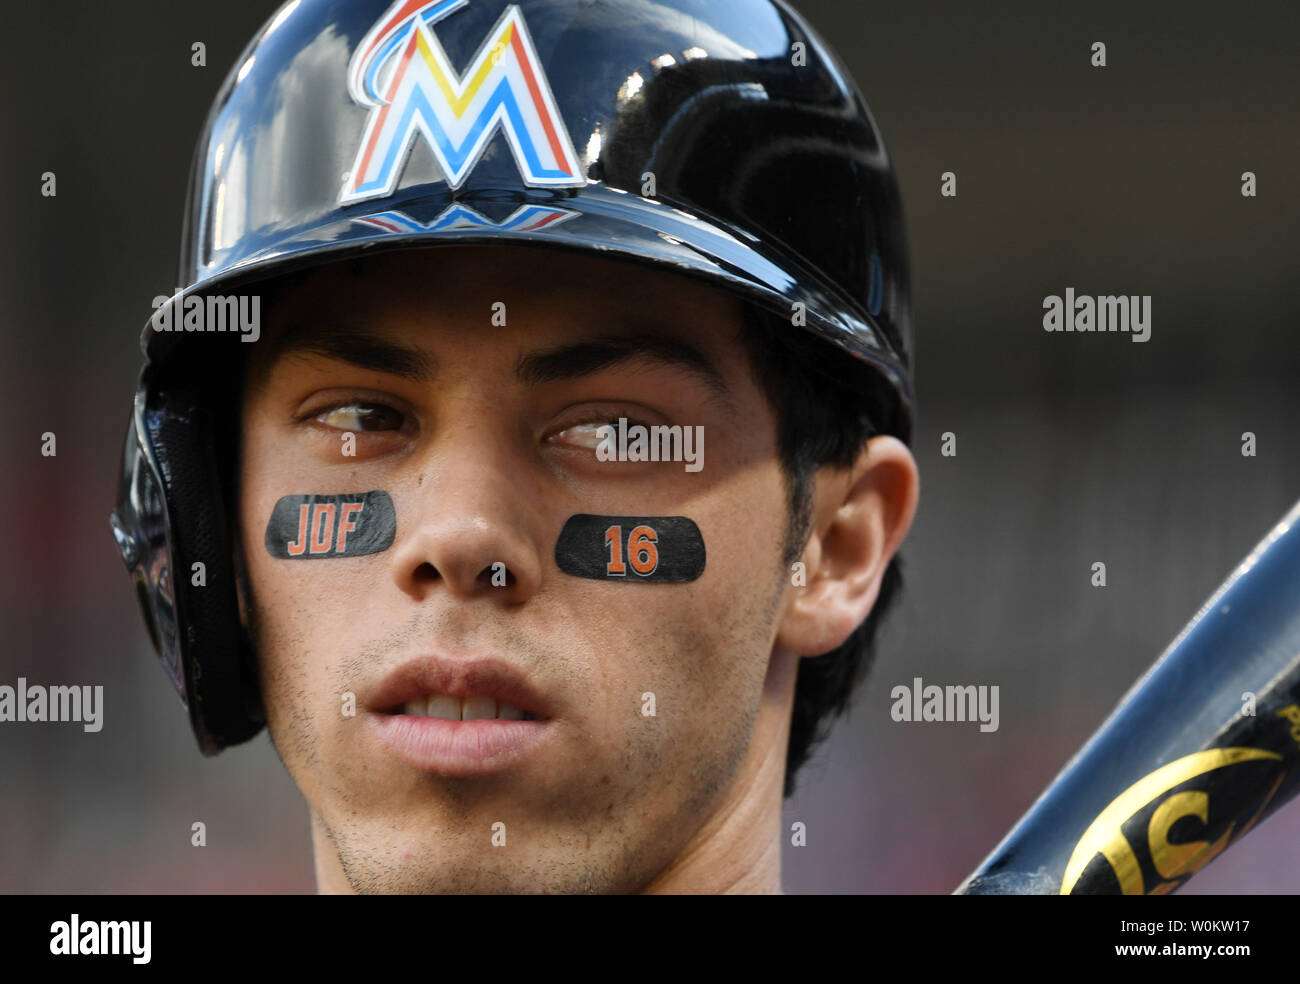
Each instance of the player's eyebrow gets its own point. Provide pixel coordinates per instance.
(582, 358)
(360, 348)
(365, 349)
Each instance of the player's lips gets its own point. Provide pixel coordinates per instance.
(460, 717)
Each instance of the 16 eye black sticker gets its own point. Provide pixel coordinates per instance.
(631, 548)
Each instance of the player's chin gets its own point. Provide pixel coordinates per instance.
(502, 849)
(478, 876)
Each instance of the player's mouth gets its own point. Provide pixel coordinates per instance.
(450, 708)
(459, 717)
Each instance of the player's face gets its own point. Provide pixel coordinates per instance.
(648, 711)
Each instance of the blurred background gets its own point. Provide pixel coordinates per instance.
(1071, 448)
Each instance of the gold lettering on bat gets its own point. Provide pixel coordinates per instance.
(1292, 713)
(1105, 835)
(1173, 860)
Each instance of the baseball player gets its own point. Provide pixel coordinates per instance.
(527, 446)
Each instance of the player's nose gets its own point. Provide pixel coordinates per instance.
(474, 528)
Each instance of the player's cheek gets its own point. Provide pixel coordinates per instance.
(294, 621)
(628, 678)
(680, 678)
(732, 650)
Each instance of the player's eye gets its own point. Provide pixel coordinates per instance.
(590, 434)
(361, 417)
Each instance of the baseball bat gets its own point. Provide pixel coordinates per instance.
(1204, 746)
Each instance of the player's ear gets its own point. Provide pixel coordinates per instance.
(860, 516)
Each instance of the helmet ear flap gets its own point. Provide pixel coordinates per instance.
(172, 530)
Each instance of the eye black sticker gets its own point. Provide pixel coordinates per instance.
(631, 548)
(310, 527)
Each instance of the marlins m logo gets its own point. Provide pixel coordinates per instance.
(402, 73)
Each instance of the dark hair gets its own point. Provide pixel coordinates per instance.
(827, 405)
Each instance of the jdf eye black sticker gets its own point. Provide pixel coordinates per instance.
(311, 527)
(631, 548)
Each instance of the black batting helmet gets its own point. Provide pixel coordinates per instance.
(720, 140)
